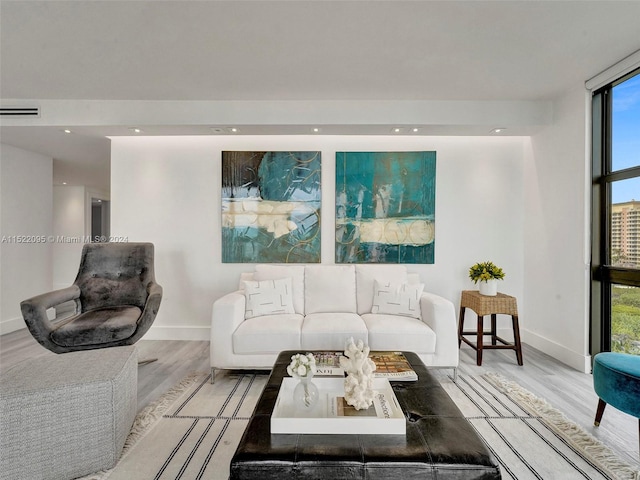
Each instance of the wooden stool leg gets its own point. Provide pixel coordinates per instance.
(516, 338)
(480, 334)
(493, 329)
(601, 406)
(461, 325)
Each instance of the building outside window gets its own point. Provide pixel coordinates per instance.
(625, 234)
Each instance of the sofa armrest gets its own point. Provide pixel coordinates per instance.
(154, 297)
(227, 315)
(439, 313)
(34, 310)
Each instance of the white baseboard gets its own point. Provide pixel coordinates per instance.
(561, 353)
(575, 360)
(506, 333)
(11, 325)
(154, 333)
(177, 333)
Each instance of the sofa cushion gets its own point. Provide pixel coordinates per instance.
(330, 288)
(366, 274)
(296, 272)
(330, 331)
(268, 297)
(395, 332)
(397, 298)
(268, 334)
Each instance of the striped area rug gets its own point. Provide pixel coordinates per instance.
(193, 431)
(529, 438)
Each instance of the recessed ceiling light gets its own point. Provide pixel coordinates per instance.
(415, 129)
(498, 130)
(64, 183)
(397, 130)
(233, 130)
(135, 130)
(315, 129)
(217, 130)
(66, 130)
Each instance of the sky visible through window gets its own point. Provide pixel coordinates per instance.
(626, 137)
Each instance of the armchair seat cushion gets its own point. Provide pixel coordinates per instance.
(398, 332)
(330, 331)
(268, 334)
(98, 326)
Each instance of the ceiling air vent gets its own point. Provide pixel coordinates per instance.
(19, 111)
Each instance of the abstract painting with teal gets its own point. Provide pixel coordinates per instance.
(271, 207)
(385, 207)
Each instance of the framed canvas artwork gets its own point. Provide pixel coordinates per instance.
(271, 207)
(385, 207)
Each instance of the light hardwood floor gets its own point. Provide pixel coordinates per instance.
(563, 387)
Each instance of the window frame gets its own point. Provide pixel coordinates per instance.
(603, 274)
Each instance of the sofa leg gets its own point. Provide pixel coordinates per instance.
(213, 375)
(455, 375)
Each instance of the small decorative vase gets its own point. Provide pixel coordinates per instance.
(306, 394)
(489, 287)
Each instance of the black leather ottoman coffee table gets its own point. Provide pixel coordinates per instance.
(439, 444)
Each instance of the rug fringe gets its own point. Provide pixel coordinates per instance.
(147, 417)
(556, 420)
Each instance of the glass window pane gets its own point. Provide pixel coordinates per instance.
(625, 319)
(625, 148)
(625, 223)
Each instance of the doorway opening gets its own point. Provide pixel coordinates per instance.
(100, 220)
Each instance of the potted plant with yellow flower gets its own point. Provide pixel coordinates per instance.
(488, 274)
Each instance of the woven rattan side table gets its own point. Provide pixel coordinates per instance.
(488, 305)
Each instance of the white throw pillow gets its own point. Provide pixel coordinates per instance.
(367, 273)
(397, 298)
(274, 272)
(268, 297)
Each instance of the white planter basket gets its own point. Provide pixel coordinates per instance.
(488, 288)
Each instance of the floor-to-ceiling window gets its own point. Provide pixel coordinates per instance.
(616, 215)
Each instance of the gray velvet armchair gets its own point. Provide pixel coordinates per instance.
(116, 300)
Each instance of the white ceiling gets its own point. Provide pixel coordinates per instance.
(227, 51)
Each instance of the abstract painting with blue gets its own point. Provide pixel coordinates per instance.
(271, 207)
(385, 207)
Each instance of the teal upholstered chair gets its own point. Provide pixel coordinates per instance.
(616, 380)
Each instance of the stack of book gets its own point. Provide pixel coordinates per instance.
(390, 365)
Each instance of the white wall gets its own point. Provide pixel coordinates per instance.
(69, 210)
(166, 190)
(72, 229)
(557, 222)
(25, 210)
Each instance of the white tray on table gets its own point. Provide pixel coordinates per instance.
(385, 417)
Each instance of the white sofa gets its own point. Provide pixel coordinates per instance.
(322, 306)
